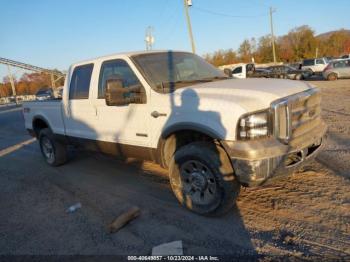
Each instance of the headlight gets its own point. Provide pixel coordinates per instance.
(255, 125)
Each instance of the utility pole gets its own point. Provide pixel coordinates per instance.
(188, 3)
(272, 10)
(316, 55)
(12, 83)
(149, 39)
(53, 82)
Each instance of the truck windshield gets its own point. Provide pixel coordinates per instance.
(167, 71)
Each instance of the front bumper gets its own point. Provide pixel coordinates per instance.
(257, 161)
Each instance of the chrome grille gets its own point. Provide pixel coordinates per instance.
(296, 114)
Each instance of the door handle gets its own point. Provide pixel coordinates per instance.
(156, 114)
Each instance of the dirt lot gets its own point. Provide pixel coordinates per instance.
(305, 216)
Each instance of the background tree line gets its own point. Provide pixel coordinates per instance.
(298, 44)
(28, 84)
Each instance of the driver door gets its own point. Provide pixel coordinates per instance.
(122, 124)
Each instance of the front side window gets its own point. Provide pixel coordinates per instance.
(80, 82)
(116, 69)
(319, 61)
(308, 62)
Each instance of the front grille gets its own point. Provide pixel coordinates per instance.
(296, 115)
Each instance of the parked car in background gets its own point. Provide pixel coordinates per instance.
(315, 65)
(250, 71)
(345, 56)
(44, 94)
(290, 72)
(337, 69)
(296, 65)
(12, 99)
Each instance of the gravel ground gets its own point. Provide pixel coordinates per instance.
(306, 215)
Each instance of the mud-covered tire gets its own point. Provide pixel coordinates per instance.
(202, 178)
(53, 151)
(332, 77)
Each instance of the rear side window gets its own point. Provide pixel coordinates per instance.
(80, 82)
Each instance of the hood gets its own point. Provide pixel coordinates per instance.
(218, 105)
(249, 94)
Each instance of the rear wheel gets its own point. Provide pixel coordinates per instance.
(202, 178)
(332, 77)
(53, 151)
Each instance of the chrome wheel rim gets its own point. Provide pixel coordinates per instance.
(48, 150)
(198, 182)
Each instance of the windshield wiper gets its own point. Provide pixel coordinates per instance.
(175, 84)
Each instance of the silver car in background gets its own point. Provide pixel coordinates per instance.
(339, 68)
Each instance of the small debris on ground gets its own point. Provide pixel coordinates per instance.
(168, 249)
(73, 208)
(123, 219)
(287, 237)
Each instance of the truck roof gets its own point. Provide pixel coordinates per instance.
(125, 54)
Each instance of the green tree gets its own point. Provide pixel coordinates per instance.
(264, 50)
(303, 42)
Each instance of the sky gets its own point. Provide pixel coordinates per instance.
(57, 33)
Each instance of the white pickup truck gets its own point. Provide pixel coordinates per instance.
(214, 133)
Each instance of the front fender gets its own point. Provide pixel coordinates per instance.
(191, 126)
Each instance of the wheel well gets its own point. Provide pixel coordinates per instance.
(38, 125)
(178, 139)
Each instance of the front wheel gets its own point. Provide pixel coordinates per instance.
(202, 179)
(53, 151)
(332, 77)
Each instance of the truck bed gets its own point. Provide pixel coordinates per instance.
(51, 110)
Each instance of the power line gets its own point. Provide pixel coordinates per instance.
(202, 10)
(29, 67)
(172, 23)
(164, 9)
